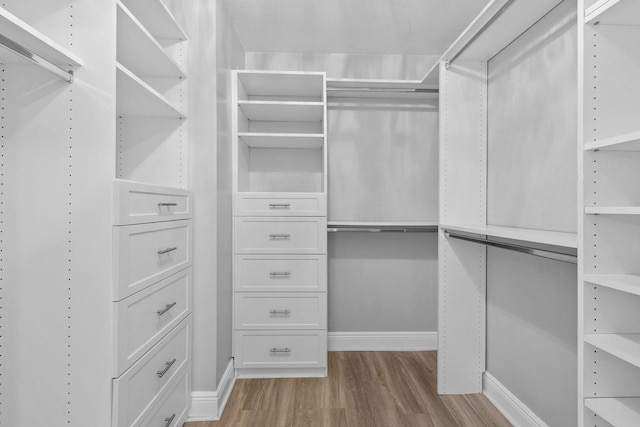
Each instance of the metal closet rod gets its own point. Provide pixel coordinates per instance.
(25, 53)
(542, 253)
(381, 89)
(385, 229)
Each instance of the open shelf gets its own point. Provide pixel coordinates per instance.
(31, 39)
(135, 98)
(623, 346)
(282, 140)
(156, 18)
(613, 210)
(282, 111)
(629, 283)
(282, 84)
(380, 84)
(626, 142)
(613, 12)
(380, 226)
(618, 411)
(139, 51)
(554, 238)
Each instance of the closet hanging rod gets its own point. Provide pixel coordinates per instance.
(25, 53)
(384, 229)
(542, 253)
(381, 89)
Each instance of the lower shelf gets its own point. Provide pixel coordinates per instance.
(622, 411)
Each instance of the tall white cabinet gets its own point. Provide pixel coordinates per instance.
(609, 285)
(280, 224)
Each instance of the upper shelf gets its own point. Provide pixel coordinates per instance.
(612, 210)
(282, 111)
(623, 346)
(156, 18)
(27, 37)
(629, 283)
(613, 12)
(380, 84)
(626, 142)
(543, 237)
(283, 84)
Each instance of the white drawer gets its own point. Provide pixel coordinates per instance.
(146, 316)
(147, 253)
(260, 273)
(281, 204)
(137, 390)
(290, 349)
(280, 311)
(171, 410)
(136, 203)
(281, 235)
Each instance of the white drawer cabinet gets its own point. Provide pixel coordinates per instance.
(137, 203)
(281, 235)
(137, 390)
(171, 410)
(281, 311)
(146, 253)
(290, 349)
(260, 273)
(146, 316)
(281, 204)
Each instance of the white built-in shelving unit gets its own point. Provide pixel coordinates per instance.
(609, 274)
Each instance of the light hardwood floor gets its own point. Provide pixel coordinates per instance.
(364, 389)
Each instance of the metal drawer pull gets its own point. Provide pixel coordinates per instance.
(281, 312)
(169, 420)
(167, 204)
(280, 274)
(279, 236)
(167, 366)
(166, 251)
(280, 350)
(166, 308)
(279, 205)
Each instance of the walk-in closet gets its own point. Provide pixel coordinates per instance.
(287, 213)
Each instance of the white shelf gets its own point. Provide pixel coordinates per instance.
(135, 98)
(28, 37)
(623, 346)
(629, 283)
(554, 238)
(382, 224)
(613, 12)
(156, 18)
(613, 210)
(380, 84)
(618, 411)
(495, 27)
(283, 84)
(282, 140)
(282, 111)
(139, 51)
(626, 142)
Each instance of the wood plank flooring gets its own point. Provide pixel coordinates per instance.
(364, 389)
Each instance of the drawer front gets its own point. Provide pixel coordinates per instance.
(280, 311)
(142, 386)
(137, 203)
(146, 316)
(171, 410)
(281, 204)
(147, 253)
(281, 235)
(290, 349)
(280, 273)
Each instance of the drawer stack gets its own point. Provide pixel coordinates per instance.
(151, 305)
(280, 278)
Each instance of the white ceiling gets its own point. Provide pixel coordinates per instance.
(411, 27)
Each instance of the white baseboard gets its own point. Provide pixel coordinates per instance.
(208, 405)
(382, 341)
(511, 407)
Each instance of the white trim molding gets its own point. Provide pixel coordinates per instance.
(511, 407)
(383, 341)
(208, 405)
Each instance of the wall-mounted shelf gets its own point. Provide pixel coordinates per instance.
(623, 346)
(616, 411)
(626, 142)
(25, 39)
(384, 226)
(613, 210)
(156, 18)
(282, 111)
(543, 237)
(282, 140)
(281, 84)
(629, 283)
(613, 12)
(139, 51)
(138, 99)
(380, 84)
